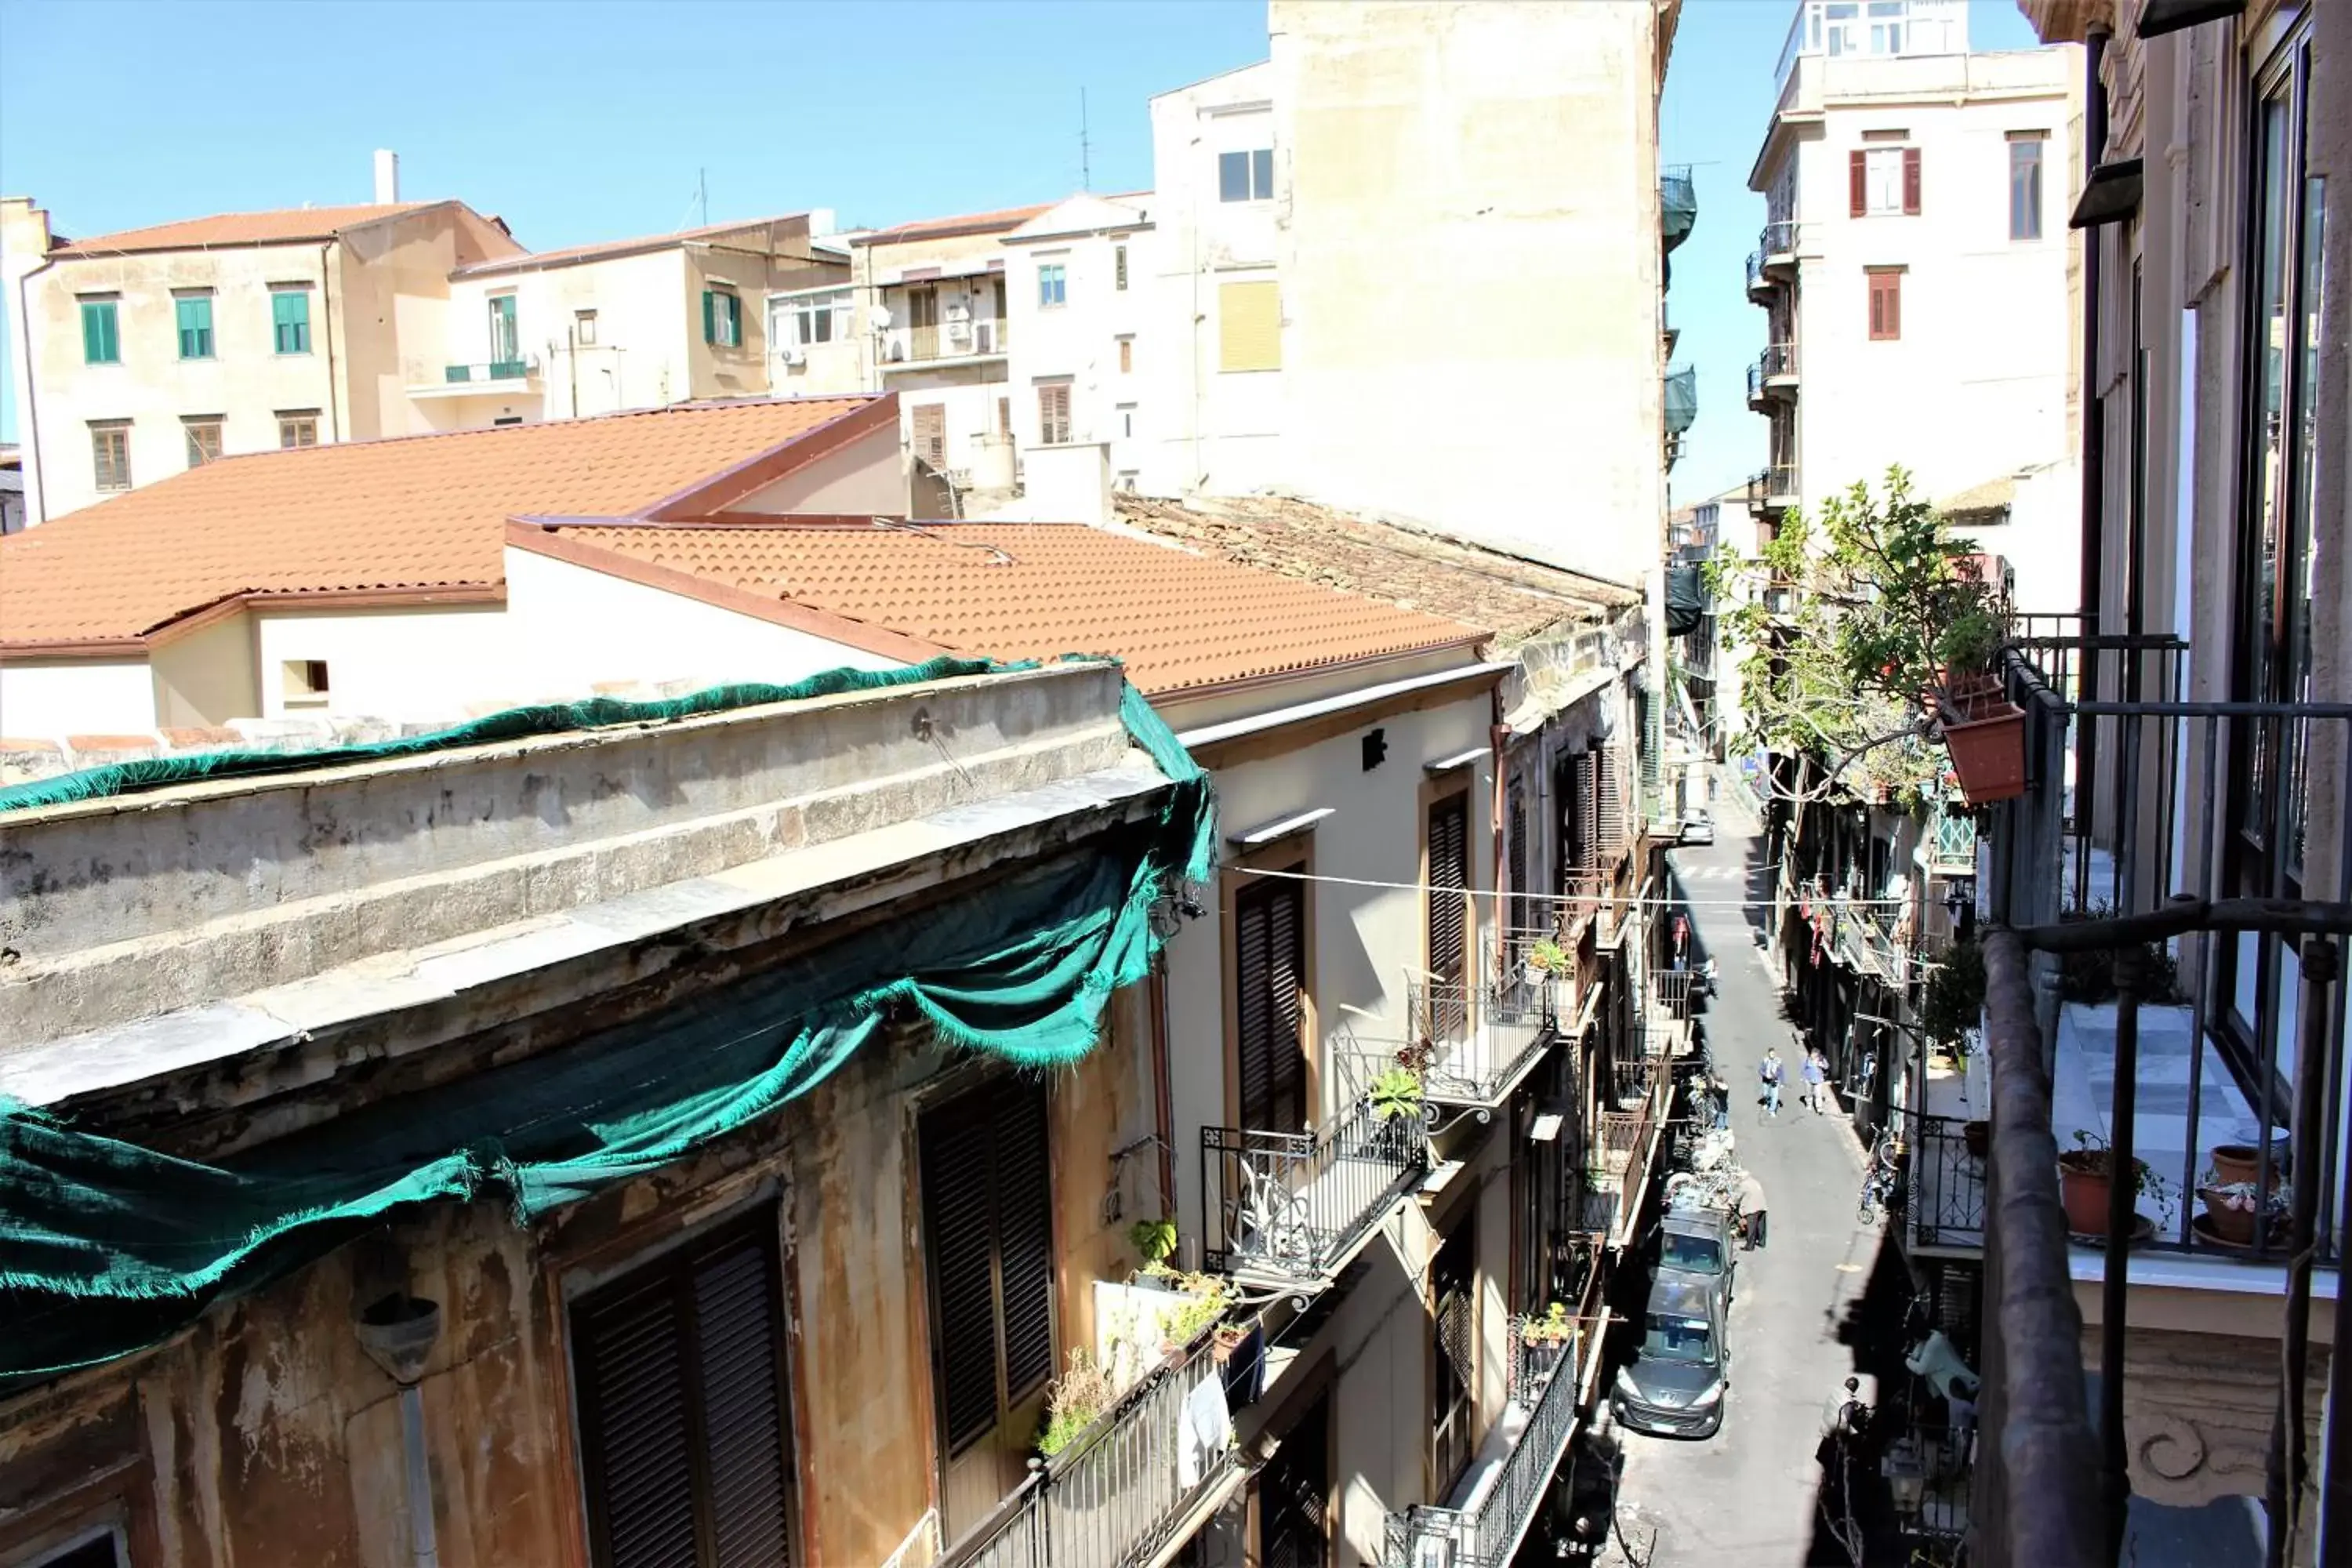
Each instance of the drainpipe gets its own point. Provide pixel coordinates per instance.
(32, 411)
(2094, 439)
(327, 333)
(1499, 740)
(397, 1332)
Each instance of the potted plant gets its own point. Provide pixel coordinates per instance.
(2232, 1207)
(1985, 733)
(2085, 1174)
(1554, 1328)
(1548, 957)
(1229, 1338)
(2236, 1164)
(1977, 1138)
(1204, 1303)
(1077, 1399)
(1154, 1240)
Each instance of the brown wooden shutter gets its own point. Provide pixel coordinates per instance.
(1455, 1352)
(1587, 815)
(1025, 1219)
(958, 1234)
(1857, 183)
(1295, 1494)
(1515, 819)
(1449, 874)
(931, 423)
(1270, 948)
(1911, 181)
(682, 1417)
(1609, 803)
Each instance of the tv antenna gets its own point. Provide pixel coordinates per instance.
(1085, 161)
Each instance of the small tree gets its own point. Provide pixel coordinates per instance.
(1883, 623)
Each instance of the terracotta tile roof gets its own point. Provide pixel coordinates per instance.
(1510, 596)
(967, 223)
(289, 227)
(1036, 590)
(571, 255)
(423, 512)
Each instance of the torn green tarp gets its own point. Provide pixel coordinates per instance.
(107, 1247)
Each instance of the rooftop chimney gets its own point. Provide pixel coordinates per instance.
(387, 176)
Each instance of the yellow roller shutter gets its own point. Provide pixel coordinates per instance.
(1249, 326)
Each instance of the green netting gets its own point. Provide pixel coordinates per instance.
(545, 719)
(107, 1247)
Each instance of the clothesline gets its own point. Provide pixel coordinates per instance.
(1614, 901)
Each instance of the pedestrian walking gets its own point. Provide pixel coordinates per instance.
(1751, 1209)
(1817, 1077)
(1771, 1072)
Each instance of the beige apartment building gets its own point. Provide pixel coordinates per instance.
(1920, 277)
(1301, 347)
(144, 354)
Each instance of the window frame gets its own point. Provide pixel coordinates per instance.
(192, 322)
(198, 453)
(1447, 795)
(1885, 303)
(505, 310)
(120, 431)
(1229, 361)
(1255, 168)
(288, 423)
(1119, 269)
(103, 313)
(1057, 391)
(722, 317)
(2027, 207)
(1053, 283)
(281, 321)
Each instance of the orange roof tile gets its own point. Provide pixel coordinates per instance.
(288, 227)
(569, 255)
(1035, 590)
(422, 513)
(941, 227)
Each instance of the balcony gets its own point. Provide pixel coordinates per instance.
(1678, 203)
(484, 378)
(1949, 846)
(941, 343)
(1287, 1211)
(1774, 259)
(1773, 489)
(1118, 1495)
(1487, 1518)
(1480, 1038)
(2202, 1024)
(1944, 1186)
(1773, 377)
(1682, 400)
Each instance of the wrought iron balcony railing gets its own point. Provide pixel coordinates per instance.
(1483, 1038)
(1943, 1182)
(1121, 1493)
(1502, 1500)
(1290, 1209)
(1772, 489)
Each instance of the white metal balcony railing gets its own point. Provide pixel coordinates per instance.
(1505, 1489)
(1287, 1210)
(1483, 1038)
(980, 337)
(1118, 1495)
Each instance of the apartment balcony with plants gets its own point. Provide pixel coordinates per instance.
(1287, 1211)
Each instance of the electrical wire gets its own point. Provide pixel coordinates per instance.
(1628, 901)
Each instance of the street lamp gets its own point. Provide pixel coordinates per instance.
(1906, 1474)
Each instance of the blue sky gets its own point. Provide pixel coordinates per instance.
(591, 121)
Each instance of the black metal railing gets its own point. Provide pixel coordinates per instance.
(1944, 1181)
(1777, 363)
(1777, 241)
(1291, 1207)
(1543, 1397)
(1118, 1495)
(1771, 488)
(1481, 1038)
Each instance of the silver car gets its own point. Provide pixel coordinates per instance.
(1698, 827)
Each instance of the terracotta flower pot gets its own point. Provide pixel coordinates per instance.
(1977, 1138)
(2235, 1163)
(1987, 739)
(2082, 1188)
(2233, 1225)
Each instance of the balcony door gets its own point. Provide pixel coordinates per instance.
(1453, 1357)
(1270, 983)
(923, 323)
(988, 1239)
(1447, 848)
(505, 339)
(1294, 1495)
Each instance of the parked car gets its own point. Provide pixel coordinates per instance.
(1698, 827)
(1677, 1382)
(1696, 1242)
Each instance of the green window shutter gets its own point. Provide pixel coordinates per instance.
(290, 314)
(195, 320)
(734, 321)
(100, 345)
(709, 316)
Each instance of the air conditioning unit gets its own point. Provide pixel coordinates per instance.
(793, 353)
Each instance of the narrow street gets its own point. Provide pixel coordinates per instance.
(1797, 1329)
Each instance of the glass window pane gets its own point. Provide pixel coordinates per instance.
(1232, 176)
(2258, 581)
(1262, 174)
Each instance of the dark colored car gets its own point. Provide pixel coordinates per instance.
(1677, 1385)
(1695, 1243)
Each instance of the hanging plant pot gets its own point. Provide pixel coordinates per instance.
(1987, 739)
(2082, 1188)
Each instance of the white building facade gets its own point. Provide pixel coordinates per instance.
(1077, 279)
(1919, 274)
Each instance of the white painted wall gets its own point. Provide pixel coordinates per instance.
(46, 698)
(561, 630)
(396, 664)
(866, 476)
(1078, 341)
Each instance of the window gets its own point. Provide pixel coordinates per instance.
(583, 329)
(109, 451)
(722, 319)
(1127, 419)
(929, 421)
(101, 341)
(1452, 1353)
(1054, 413)
(204, 440)
(98, 1547)
(1127, 356)
(1447, 845)
(1886, 26)
(302, 682)
(195, 319)
(988, 1238)
(1269, 1003)
(297, 429)
(1004, 417)
(289, 320)
(1249, 326)
(806, 319)
(678, 1367)
(1294, 1494)
(1119, 268)
(2025, 186)
(505, 339)
(1246, 176)
(1882, 181)
(1053, 285)
(1885, 304)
